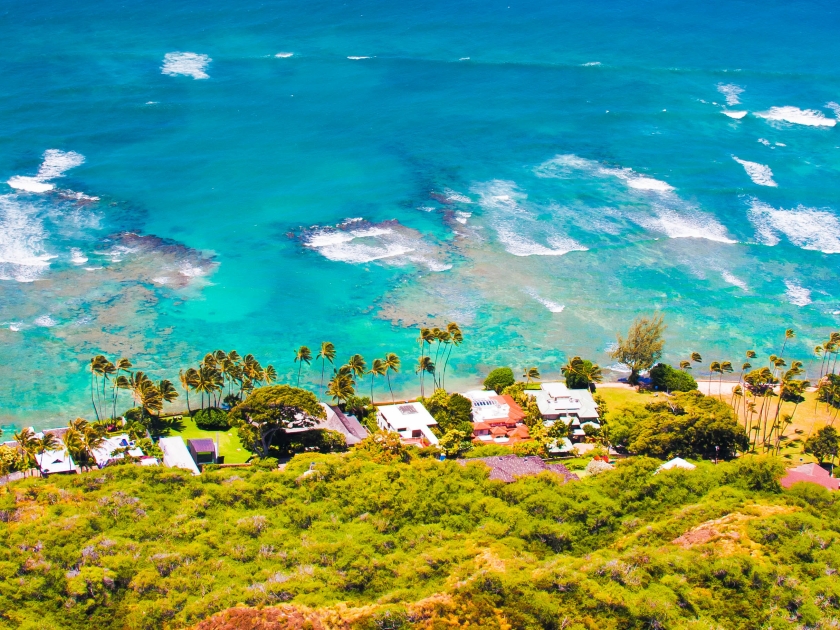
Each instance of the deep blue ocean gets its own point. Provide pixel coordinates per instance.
(181, 177)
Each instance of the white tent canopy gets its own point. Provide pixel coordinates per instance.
(677, 462)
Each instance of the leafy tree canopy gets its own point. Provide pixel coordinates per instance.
(665, 378)
(824, 445)
(499, 378)
(642, 347)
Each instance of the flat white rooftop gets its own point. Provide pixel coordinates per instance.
(176, 454)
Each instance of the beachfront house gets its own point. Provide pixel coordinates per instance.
(574, 407)
(114, 448)
(176, 454)
(336, 420)
(56, 462)
(202, 450)
(410, 420)
(496, 418)
(812, 473)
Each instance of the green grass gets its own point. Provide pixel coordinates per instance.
(229, 445)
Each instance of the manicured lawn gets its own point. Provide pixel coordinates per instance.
(229, 444)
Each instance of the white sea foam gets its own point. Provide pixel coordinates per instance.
(16, 326)
(835, 107)
(729, 278)
(77, 257)
(509, 217)
(780, 144)
(737, 115)
(464, 59)
(669, 214)
(591, 63)
(53, 165)
(759, 173)
(30, 184)
(188, 64)
(764, 141)
(22, 254)
(618, 367)
(461, 217)
(357, 58)
(284, 55)
(45, 321)
(453, 195)
(797, 294)
(554, 307)
(392, 243)
(807, 228)
(731, 92)
(796, 116)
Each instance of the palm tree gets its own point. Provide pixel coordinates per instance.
(377, 368)
(189, 380)
(47, 442)
(357, 365)
(424, 338)
(120, 382)
(789, 334)
(209, 381)
(25, 439)
(392, 363)
(96, 367)
(269, 374)
(531, 373)
(685, 365)
(167, 391)
(108, 369)
(302, 355)
(424, 365)
(457, 338)
(326, 353)
(725, 367)
(341, 387)
(73, 444)
(714, 368)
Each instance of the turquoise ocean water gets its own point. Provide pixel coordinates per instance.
(198, 175)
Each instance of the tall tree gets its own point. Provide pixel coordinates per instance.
(377, 368)
(96, 367)
(424, 366)
(392, 363)
(456, 339)
(642, 347)
(302, 355)
(326, 353)
(189, 380)
(531, 373)
(341, 387)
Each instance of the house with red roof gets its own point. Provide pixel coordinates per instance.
(497, 418)
(813, 473)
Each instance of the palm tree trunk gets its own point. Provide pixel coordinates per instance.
(92, 401)
(323, 365)
(388, 376)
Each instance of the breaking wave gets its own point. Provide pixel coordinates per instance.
(732, 279)
(23, 256)
(807, 228)
(284, 55)
(797, 294)
(54, 164)
(796, 116)
(188, 64)
(737, 115)
(759, 173)
(554, 307)
(357, 241)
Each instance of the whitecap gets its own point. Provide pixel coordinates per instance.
(731, 92)
(554, 307)
(187, 64)
(30, 184)
(357, 58)
(764, 141)
(730, 278)
(682, 224)
(759, 173)
(464, 59)
(590, 64)
(461, 217)
(284, 55)
(797, 294)
(452, 195)
(737, 115)
(835, 107)
(648, 183)
(796, 116)
(45, 321)
(77, 257)
(618, 367)
(22, 254)
(807, 228)
(780, 144)
(16, 326)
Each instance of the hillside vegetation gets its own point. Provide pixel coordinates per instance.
(361, 544)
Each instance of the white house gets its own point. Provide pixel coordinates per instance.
(58, 461)
(176, 454)
(410, 420)
(107, 452)
(574, 407)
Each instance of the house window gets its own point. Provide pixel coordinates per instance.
(416, 433)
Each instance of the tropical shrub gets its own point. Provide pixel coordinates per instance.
(499, 378)
(665, 378)
(212, 419)
(423, 544)
(687, 425)
(824, 444)
(578, 378)
(489, 450)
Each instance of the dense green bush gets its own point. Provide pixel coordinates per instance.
(688, 424)
(433, 542)
(665, 378)
(212, 419)
(579, 380)
(499, 378)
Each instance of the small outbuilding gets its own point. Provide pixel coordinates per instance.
(176, 454)
(203, 450)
